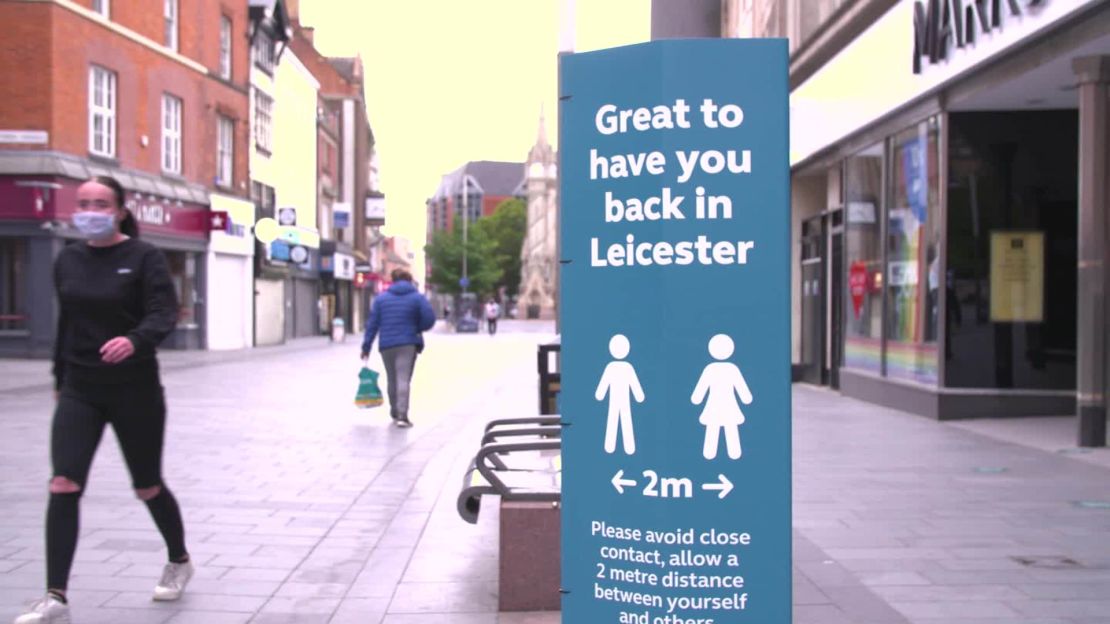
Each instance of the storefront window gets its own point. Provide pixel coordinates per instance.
(863, 188)
(913, 279)
(1012, 250)
(183, 270)
(13, 313)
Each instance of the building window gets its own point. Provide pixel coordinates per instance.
(913, 275)
(102, 112)
(263, 197)
(1012, 248)
(892, 247)
(102, 7)
(225, 151)
(170, 14)
(264, 52)
(171, 134)
(225, 47)
(863, 188)
(183, 274)
(263, 121)
(13, 303)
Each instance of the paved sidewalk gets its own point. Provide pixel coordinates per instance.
(943, 524)
(298, 507)
(301, 509)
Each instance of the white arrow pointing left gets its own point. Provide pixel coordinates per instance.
(619, 482)
(725, 486)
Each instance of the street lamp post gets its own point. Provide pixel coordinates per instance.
(466, 223)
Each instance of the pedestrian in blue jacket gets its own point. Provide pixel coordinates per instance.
(398, 318)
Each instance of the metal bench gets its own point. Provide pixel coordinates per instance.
(519, 460)
(533, 474)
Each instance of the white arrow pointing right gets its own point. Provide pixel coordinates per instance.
(619, 482)
(725, 486)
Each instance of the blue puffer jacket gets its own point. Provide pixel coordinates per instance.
(399, 314)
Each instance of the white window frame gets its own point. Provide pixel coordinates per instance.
(171, 134)
(170, 19)
(225, 151)
(102, 108)
(225, 47)
(264, 52)
(102, 8)
(263, 121)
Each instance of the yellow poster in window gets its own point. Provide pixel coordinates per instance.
(1017, 277)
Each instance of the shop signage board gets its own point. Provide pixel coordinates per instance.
(939, 25)
(675, 315)
(287, 216)
(341, 215)
(26, 137)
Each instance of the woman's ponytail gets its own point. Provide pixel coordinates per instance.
(129, 226)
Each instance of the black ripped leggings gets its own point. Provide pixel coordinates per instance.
(137, 413)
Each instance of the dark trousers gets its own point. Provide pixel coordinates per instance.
(399, 364)
(492, 326)
(137, 414)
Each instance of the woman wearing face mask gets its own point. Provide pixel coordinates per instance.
(117, 304)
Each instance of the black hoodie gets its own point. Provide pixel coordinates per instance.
(106, 292)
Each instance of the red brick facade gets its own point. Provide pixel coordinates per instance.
(45, 60)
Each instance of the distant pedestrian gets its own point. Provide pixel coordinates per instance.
(493, 312)
(117, 304)
(400, 315)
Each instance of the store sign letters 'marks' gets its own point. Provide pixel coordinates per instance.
(936, 21)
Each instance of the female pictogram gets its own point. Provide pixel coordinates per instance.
(620, 382)
(723, 383)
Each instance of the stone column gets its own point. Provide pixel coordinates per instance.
(1093, 76)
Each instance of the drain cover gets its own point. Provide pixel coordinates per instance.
(1074, 451)
(990, 469)
(1051, 562)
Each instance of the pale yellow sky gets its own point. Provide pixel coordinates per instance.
(450, 81)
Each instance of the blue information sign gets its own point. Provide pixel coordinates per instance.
(676, 334)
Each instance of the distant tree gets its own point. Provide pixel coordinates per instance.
(506, 228)
(445, 253)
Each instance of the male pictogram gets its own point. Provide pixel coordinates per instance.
(620, 382)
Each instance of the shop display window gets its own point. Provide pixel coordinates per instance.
(913, 277)
(13, 287)
(863, 188)
(183, 272)
(1012, 250)
(892, 246)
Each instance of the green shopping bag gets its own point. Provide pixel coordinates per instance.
(369, 394)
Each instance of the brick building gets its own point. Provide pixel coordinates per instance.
(487, 184)
(152, 93)
(345, 149)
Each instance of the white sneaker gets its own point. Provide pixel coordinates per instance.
(175, 576)
(49, 610)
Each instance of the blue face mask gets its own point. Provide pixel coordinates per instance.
(95, 226)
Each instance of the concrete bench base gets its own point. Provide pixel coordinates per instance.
(529, 561)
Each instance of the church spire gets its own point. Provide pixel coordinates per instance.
(541, 138)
